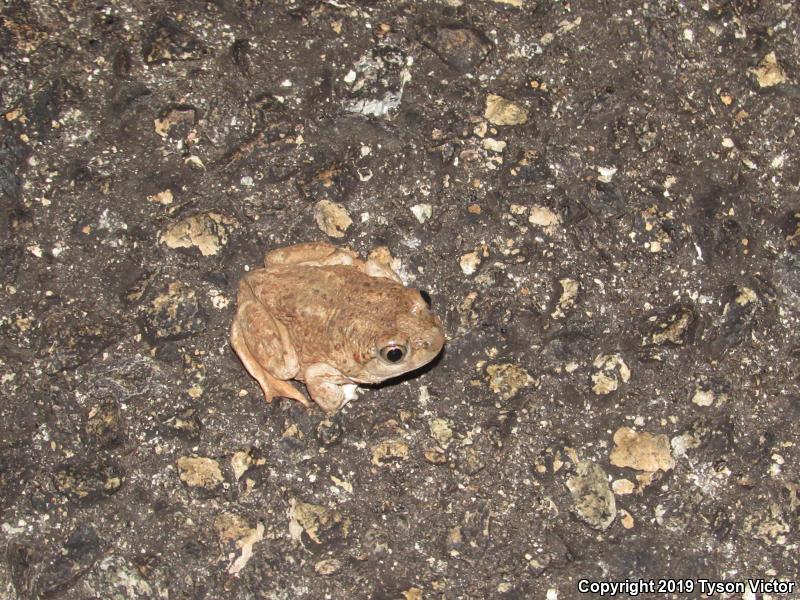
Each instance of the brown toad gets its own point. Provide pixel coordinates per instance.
(318, 314)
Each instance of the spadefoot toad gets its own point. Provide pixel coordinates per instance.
(318, 314)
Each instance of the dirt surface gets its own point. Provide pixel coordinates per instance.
(601, 199)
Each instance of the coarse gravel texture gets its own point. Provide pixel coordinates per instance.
(601, 199)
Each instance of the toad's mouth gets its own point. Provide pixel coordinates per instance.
(410, 371)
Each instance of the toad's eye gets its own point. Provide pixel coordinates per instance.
(393, 354)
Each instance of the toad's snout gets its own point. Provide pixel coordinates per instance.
(431, 343)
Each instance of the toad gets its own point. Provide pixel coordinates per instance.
(321, 315)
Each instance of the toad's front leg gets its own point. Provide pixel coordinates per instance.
(328, 387)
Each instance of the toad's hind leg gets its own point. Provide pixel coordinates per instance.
(313, 253)
(322, 254)
(263, 345)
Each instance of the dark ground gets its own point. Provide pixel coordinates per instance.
(557, 278)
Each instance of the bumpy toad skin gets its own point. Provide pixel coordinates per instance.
(318, 314)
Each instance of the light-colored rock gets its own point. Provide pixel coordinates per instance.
(198, 471)
(768, 525)
(594, 501)
(435, 456)
(328, 566)
(332, 218)
(469, 262)
(389, 449)
(206, 231)
(218, 299)
(315, 521)
(493, 145)
(569, 292)
(173, 117)
(500, 111)
(422, 212)
(341, 483)
(412, 593)
(507, 379)
(164, 198)
(745, 296)
(769, 73)
(543, 217)
(606, 174)
(442, 431)
(623, 487)
(243, 460)
(236, 539)
(609, 371)
(676, 328)
(682, 443)
(642, 451)
(240, 462)
(626, 519)
(703, 397)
